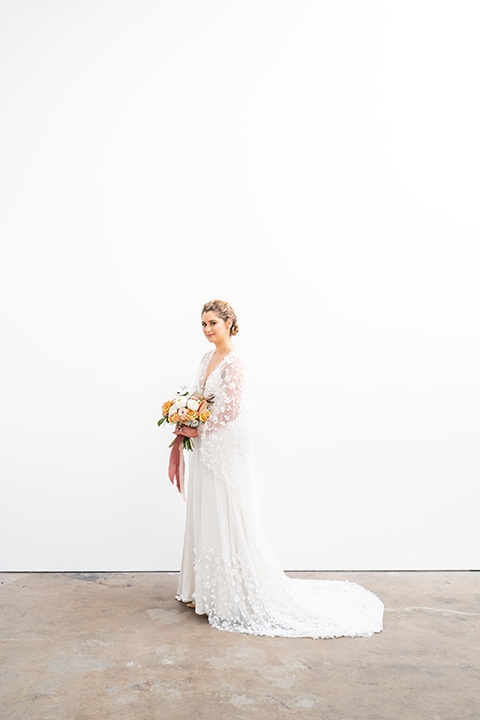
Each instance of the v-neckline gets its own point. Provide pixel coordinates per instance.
(215, 368)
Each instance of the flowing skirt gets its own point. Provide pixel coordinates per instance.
(231, 573)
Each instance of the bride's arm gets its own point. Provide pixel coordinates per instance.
(185, 429)
(226, 403)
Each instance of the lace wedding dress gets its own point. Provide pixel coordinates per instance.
(228, 568)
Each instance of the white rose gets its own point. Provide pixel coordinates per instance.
(193, 404)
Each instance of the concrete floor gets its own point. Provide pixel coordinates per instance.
(118, 646)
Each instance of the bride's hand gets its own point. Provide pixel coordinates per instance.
(188, 431)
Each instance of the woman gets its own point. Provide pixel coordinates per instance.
(229, 571)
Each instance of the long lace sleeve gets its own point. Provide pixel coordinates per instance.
(225, 445)
(228, 398)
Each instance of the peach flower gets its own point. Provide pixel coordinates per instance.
(166, 407)
(204, 416)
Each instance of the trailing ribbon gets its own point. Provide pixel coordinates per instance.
(176, 465)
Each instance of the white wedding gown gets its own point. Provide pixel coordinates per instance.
(228, 568)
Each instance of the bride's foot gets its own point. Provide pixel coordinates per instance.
(191, 604)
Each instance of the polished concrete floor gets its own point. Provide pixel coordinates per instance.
(118, 646)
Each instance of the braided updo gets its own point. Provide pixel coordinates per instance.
(224, 311)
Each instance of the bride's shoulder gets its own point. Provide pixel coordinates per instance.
(235, 360)
(207, 356)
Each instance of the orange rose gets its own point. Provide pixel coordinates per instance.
(204, 416)
(166, 407)
(174, 418)
(191, 415)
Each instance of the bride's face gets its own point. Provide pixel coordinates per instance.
(215, 329)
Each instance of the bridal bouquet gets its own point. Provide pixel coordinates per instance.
(184, 410)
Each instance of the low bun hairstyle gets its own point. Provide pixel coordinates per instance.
(224, 311)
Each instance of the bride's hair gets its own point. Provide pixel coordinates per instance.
(224, 311)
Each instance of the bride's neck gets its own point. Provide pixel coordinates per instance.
(224, 347)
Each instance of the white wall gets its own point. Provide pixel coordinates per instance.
(314, 163)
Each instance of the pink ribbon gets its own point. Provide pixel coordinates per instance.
(176, 466)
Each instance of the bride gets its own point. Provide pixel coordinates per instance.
(229, 571)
